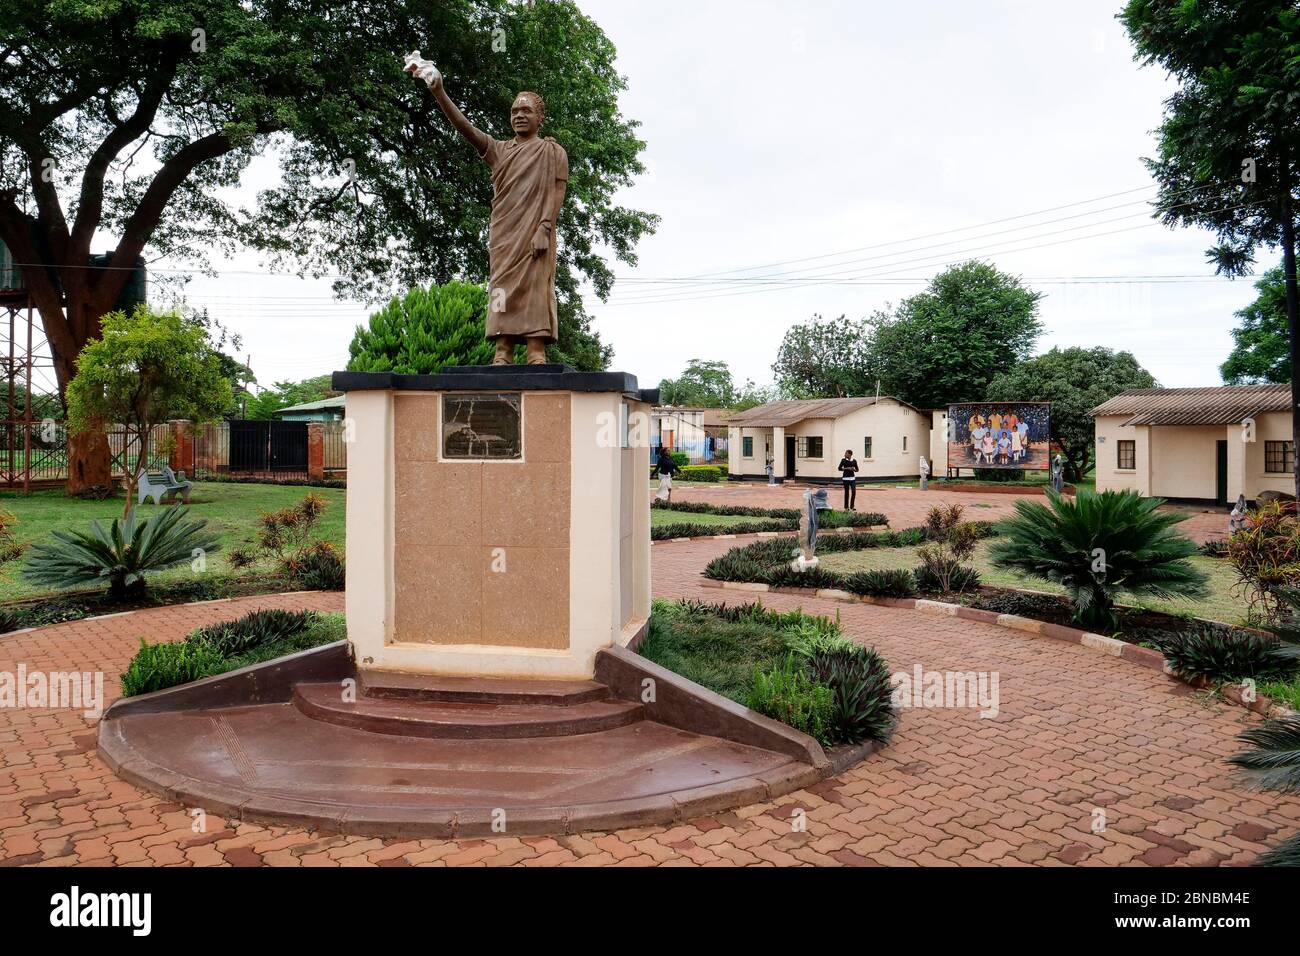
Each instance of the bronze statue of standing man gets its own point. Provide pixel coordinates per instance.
(529, 176)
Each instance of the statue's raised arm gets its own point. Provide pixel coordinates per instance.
(425, 70)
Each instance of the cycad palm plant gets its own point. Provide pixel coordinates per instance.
(1098, 546)
(1274, 765)
(121, 555)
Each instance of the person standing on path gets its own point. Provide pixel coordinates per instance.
(848, 469)
(665, 466)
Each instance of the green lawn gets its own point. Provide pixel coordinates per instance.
(1218, 605)
(231, 510)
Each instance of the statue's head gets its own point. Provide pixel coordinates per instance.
(527, 113)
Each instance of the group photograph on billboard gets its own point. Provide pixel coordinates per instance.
(1011, 435)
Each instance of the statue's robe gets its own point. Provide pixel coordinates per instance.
(521, 295)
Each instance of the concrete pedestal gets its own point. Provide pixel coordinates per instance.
(498, 519)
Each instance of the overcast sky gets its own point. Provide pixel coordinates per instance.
(848, 151)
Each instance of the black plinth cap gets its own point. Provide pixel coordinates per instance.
(503, 378)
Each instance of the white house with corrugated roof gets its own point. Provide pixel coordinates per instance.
(1201, 444)
(807, 439)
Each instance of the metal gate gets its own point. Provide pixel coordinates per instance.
(259, 446)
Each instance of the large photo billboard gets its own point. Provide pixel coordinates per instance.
(1012, 435)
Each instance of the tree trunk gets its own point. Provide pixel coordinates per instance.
(89, 458)
(89, 463)
(1292, 324)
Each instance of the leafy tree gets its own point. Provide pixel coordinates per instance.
(825, 358)
(424, 330)
(750, 395)
(704, 384)
(1229, 155)
(1262, 352)
(268, 401)
(1075, 381)
(148, 368)
(947, 343)
(373, 184)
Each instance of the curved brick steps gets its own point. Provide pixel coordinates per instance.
(401, 686)
(462, 719)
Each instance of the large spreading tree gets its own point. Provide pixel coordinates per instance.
(1075, 381)
(1229, 155)
(946, 343)
(1261, 350)
(125, 124)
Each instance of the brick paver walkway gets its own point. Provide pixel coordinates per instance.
(907, 507)
(1081, 740)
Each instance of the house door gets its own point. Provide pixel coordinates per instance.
(1221, 472)
(789, 456)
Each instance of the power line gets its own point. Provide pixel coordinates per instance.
(965, 256)
(972, 251)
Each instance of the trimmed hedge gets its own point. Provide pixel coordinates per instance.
(665, 532)
(710, 473)
(779, 519)
(768, 562)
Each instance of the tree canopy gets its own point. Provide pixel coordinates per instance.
(825, 358)
(942, 345)
(1229, 157)
(134, 118)
(1074, 380)
(268, 401)
(1261, 352)
(946, 343)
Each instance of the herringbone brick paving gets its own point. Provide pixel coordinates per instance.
(1079, 734)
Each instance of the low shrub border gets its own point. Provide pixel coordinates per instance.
(768, 562)
(27, 614)
(777, 520)
(254, 638)
(1136, 654)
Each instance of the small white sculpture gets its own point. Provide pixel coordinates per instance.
(422, 68)
(925, 473)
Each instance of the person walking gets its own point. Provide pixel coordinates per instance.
(665, 466)
(848, 469)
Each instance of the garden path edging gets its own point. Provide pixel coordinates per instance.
(1100, 643)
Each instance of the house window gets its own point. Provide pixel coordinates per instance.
(810, 446)
(866, 447)
(904, 443)
(1127, 455)
(747, 447)
(1279, 457)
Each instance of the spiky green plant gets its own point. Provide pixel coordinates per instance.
(1274, 765)
(1098, 546)
(121, 555)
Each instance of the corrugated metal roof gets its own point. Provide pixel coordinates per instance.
(1224, 405)
(334, 401)
(791, 412)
